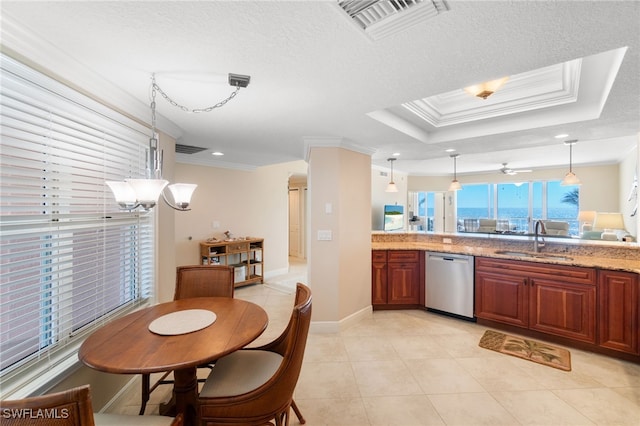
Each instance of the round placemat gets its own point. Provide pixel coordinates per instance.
(182, 322)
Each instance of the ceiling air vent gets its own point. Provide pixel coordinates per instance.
(381, 18)
(188, 149)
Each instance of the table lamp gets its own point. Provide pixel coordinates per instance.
(609, 223)
(586, 217)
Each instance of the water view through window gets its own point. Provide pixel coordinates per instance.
(514, 206)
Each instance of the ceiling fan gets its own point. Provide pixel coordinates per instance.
(509, 171)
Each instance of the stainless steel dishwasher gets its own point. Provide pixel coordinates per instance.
(449, 284)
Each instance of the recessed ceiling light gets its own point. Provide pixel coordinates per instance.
(396, 154)
(561, 135)
(217, 153)
(449, 150)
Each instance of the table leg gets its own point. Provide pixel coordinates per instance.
(185, 394)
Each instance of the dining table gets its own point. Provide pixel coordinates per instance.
(175, 336)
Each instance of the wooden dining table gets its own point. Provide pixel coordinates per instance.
(128, 346)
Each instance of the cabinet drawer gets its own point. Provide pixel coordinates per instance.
(403, 256)
(573, 274)
(236, 247)
(379, 256)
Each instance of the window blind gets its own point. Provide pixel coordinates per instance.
(69, 258)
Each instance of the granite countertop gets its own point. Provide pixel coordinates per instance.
(628, 261)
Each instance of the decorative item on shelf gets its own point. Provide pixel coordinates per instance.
(391, 187)
(610, 224)
(455, 185)
(570, 178)
(486, 89)
(228, 234)
(586, 218)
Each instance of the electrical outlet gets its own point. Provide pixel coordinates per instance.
(446, 241)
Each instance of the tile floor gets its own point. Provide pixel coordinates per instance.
(419, 368)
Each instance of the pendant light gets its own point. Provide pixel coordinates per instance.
(455, 185)
(392, 186)
(570, 178)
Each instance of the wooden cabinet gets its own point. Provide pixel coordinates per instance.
(245, 255)
(619, 311)
(397, 279)
(552, 299)
(501, 297)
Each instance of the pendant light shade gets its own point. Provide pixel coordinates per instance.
(570, 178)
(455, 185)
(486, 89)
(391, 187)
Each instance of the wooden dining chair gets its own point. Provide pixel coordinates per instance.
(193, 281)
(254, 386)
(70, 407)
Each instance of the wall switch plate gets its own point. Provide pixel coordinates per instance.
(324, 235)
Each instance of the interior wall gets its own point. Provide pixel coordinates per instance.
(628, 197)
(339, 204)
(247, 203)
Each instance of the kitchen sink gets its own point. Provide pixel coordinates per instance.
(532, 254)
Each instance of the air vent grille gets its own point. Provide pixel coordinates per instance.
(381, 18)
(188, 149)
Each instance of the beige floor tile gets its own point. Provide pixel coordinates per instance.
(417, 347)
(332, 412)
(327, 380)
(540, 408)
(401, 410)
(471, 409)
(500, 373)
(437, 376)
(369, 348)
(325, 348)
(384, 378)
(631, 393)
(463, 345)
(602, 406)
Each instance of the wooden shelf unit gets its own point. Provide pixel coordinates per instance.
(245, 255)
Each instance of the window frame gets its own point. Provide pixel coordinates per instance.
(78, 209)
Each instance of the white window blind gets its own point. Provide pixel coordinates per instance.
(69, 259)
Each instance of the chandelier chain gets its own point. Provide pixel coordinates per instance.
(157, 88)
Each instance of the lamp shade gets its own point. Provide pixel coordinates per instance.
(391, 187)
(570, 179)
(455, 185)
(586, 216)
(147, 190)
(182, 193)
(124, 194)
(608, 221)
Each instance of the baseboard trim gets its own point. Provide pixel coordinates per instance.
(345, 323)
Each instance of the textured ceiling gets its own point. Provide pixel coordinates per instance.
(315, 74)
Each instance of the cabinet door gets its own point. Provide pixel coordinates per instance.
(378, 283)
(619, 311)
(564, 309)
(502, 297)
(404, 282)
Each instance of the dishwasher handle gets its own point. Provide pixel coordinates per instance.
(447, 258)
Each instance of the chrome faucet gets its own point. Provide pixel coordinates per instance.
(539, 230)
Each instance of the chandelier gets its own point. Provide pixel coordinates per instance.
(133, 193)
